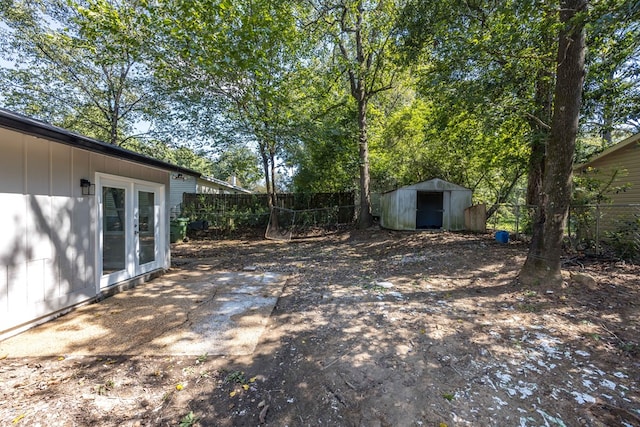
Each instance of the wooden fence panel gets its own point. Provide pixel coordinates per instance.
(221, 204)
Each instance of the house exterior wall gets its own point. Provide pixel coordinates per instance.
(627, 162)
(206, 187)
(178, 187)
(48, 247)
(623, 161)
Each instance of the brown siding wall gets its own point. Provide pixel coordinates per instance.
(627, 162)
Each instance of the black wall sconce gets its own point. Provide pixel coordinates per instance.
(179, 176)
(88, 189)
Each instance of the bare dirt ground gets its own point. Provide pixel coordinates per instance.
(374, 328)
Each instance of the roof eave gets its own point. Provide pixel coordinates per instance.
(27, 125)
(619, 146)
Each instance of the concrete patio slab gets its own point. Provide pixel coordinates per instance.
(182, 313)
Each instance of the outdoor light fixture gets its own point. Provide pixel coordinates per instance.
(179, 176)
(88, 189)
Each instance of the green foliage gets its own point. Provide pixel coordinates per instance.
(360, 38)
(78, 64)
(326, 159)
(481, 67)
(238, 161)
(181, 156)
(232, 68)
(424, 140)
(593, 186)
(228, 218)
(189, 420)
(612, 90)
(249, 87)
(236, 377)
(625, 239)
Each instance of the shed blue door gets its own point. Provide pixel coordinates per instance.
(429, 210)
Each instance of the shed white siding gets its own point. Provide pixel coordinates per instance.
(48, 259)
(400, 209)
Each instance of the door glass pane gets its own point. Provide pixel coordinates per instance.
(146, 227)
(113, 229)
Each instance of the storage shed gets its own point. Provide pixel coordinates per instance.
(80, 219)
(428, 205)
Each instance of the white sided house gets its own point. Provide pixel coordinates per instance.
(428, 205)
(80, 219)
(182, 183)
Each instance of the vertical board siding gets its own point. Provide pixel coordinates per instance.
(37, 181)
(36, 280)
(40, 227)
(398, 207)
(61, 172)
(11, 163)
(17, 288)
(48, 246)
(460, 200)
(407, 203)
(448, 216)
(177, 188)
(4, 290)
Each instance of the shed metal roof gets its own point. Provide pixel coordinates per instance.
(31, 126)
(435, 184)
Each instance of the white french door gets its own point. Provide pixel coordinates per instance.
(129, 228)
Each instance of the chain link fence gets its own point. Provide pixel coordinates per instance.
(599, 230)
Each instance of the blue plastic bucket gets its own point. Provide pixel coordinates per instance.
(502, 236)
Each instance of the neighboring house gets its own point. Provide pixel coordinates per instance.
(617, 220)
(80, 219)
(622, 159)
(433, 204)
(183, 183)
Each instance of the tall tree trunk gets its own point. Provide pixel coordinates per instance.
(543, 260)
(359, 92)
(273, 195)
(365, 218)
(269, 183)
(267, 179)
(539, 123)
